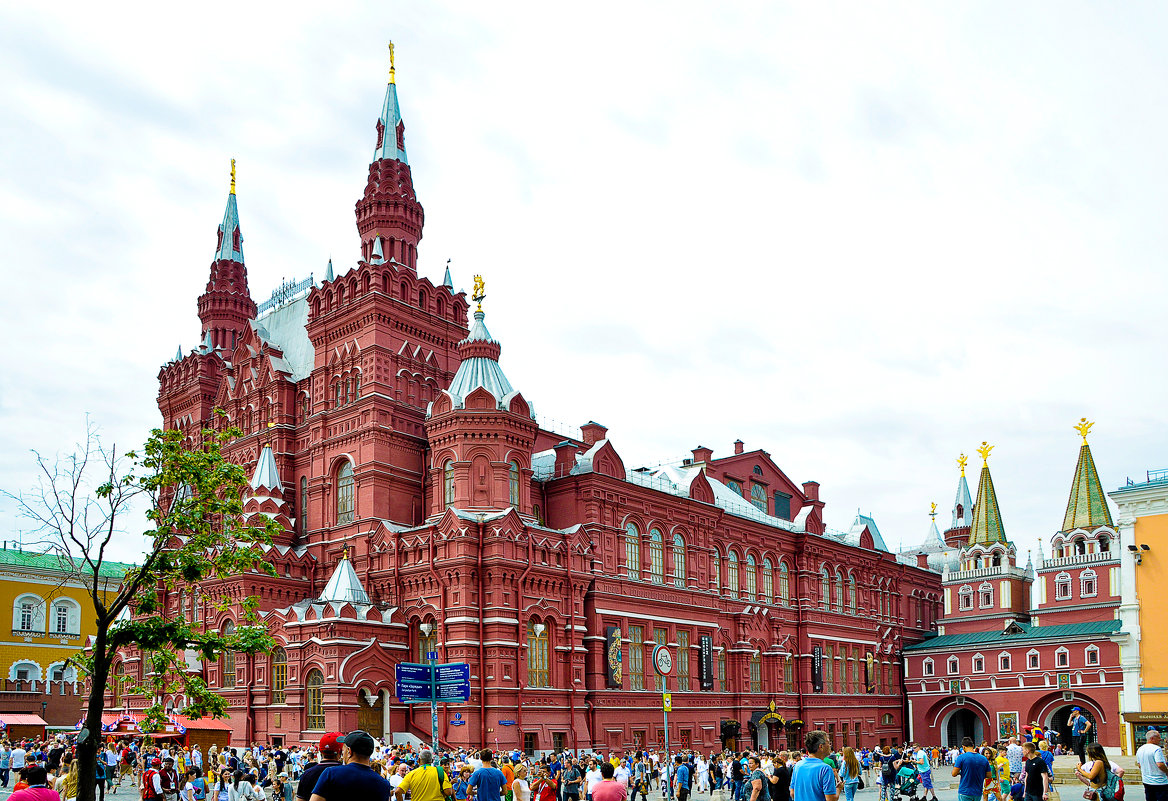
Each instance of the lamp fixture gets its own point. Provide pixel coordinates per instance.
(426, 628)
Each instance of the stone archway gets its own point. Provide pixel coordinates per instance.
(959, 723)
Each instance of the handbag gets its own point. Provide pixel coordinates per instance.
(862, 785)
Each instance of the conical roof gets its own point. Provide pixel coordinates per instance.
(391, 143)
(987, 517)
(962, 504)
(1087, 504)
(267, 475)
(480, 365)
(344, 585)
(934, 542)
(230, 245)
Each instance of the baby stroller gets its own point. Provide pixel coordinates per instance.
(907, 780)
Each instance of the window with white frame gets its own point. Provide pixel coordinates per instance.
(1032, 662)
(1004, 662)
(965, 597)
(927, 667)
(953, 665)
(66, 617)
(1088, 585)
(1062, 658)
(28, 613)
(1092, 655)
(978, 663)
(1062, 586)
(985, 594)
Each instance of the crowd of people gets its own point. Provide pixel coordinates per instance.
(356, 767)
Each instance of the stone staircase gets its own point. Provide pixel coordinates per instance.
(1064, 769)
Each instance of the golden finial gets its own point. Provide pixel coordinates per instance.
(233, 176)
(1084, 428)
(933, 511)
(479, 292)
(962, 461)
(984, 452)
(391, 78)
(344, 552)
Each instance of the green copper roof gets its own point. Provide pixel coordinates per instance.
(48, 561)
(1087, 506)
(987, 518)
(1024, 633)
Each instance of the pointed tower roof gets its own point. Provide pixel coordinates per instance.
(267, 475)
(963, 503)
(1087, 504)
(378, 255)
(344, 585)
(446, 280)
(328, 274)
(391, 141)
(480, 364)
(178, 357)
(934, 542)
(230, 246)
(987, 518)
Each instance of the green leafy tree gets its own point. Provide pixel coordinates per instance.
(196, 533)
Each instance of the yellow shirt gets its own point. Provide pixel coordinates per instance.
(422, 784)
(1003, 768)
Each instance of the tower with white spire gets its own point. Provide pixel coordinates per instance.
(226, 306)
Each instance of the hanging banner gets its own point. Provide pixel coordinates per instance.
(869, 673)
(817, 669)
(706, 662)
(613, 669)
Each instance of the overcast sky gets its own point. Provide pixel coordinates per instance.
(863, 237)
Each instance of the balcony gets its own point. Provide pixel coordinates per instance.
(1079, 559)
(1004, 571)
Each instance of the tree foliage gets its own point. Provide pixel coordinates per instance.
(196, 536)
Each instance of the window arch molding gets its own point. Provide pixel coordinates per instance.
(732, 571)
(1088, 584)
(656, 555)
(679, 561)
(34, 670)
(750, 576)
(965, 597)
(345, 492)
(314, 699)
(65, 616)
(539, 652)
(928, 666)
(28, 613)
(784, 582)
(632, 559)
(1062, 586)
(768, 580)
(1091, 655)
(67, 673)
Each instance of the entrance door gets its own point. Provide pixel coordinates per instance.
(370, 718)
(529, 743)
(762, 740)
(1060, 722)
(962, 723)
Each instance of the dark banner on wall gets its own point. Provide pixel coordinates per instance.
(869, 673)
(817, 669)
(706, 662)
(613, 669)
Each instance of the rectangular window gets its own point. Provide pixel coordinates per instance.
(26, 617)
(1004, 662)
(722, 671)
(1092, 657)
(62, 620)
(928, 668)
(1032, 661)
(828, 663)
(756, 673)
(683, 661)
(660, 637)
(1062, 659)
(782, 505)
(636, 658)
(788, 675)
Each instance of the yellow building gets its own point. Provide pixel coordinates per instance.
(52, 619)
(1143, 534)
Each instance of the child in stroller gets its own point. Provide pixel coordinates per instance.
(907, 780)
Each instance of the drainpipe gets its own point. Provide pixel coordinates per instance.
(520, 629)
(571, 647)
(482, 648)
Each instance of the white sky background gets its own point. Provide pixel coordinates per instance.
(862, 238)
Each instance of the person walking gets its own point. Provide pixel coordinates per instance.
(356, 779)
(609, 789)
(427, 782)
(1153, 769)
(1036, 785)
(681, 777)
(1079, 728)
(973, 768)
(849, 773)
(330, 748)
(486, 783)
(813, 779)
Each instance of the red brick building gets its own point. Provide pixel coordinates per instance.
(1007, 657)
(426, 509)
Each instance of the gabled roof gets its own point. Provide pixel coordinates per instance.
(1087, 504)
(1019, 633)
(858, 525)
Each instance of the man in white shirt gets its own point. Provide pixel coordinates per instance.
(18, 754)
(592, 778)
(622, 773)
(197, 757)
(1150, 758)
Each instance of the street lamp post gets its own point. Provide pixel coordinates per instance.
(432, 659)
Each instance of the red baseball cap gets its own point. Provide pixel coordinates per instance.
(332, 742)
(156, 763)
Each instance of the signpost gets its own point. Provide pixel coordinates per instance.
(663, 664)
(431, 683)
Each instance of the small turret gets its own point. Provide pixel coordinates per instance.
(987, 518)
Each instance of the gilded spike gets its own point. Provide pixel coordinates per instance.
(984, 452)
(233, 176)
(391, 76)
(1084, 428)
(479, 292)
(962, 461)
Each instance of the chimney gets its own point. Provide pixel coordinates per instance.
(923, 561)
(592, 432)
(811, 490)
(738, 444)
(565, 458)
(702, 454)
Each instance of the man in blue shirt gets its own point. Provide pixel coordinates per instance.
(681, 777)
(813, 779)
(356, 778)
(486, 783)
(1079, 728)
(972, 767)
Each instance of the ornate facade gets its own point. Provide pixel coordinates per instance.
(425, 508)
(1025, 645)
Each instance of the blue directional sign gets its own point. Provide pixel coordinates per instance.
(412, 672)
(454, 692)
(452, 673)
(413, 693)
(446, 683)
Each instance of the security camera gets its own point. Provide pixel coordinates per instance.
(1144, 546)
(1132, 548)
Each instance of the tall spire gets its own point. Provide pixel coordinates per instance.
(391, 131)
(230, 244)
(1087, 504)
(987, 518)
(226, 305)
(963, 502)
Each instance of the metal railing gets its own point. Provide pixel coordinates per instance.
(285, 293)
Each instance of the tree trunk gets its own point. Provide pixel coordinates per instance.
(89, 750)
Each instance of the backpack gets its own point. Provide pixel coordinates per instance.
(200, 788)
(148, 784)
(1110, 789)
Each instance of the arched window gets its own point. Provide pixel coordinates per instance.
(755, 673)
(1104, 543)
(305, 407)
(1062, 586)
(279, 675)
(28, 614)
(24, 670)
(346, 502)
(750, 577)
(314, 700)
(758, 497)
(538, 674)
(302, 502)
(1080, 546)
(734, 485)
(1088, 586)
(784, 584)
(985, 594)
(824, 588)
(197, 607)
(656, 557)
(514, 483)
(839, 592)
(732, 572)
(678, 561)
(228, 677)
(427, 643)
(851, 593)
(448, 483)
(339, 392)
(768, 581)
(965, 597)
(421, 299)
(632, 551)
(716, 570)
(356, 386)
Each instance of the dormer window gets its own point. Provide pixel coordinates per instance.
(734, 485)
(757, 470)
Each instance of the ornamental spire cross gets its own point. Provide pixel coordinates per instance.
(480, 293)
(984, 452)
(1084, 428)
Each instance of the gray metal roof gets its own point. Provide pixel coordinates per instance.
(266, 473)
(344, 585)
(287, 329)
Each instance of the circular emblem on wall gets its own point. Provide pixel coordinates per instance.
(663, 660)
